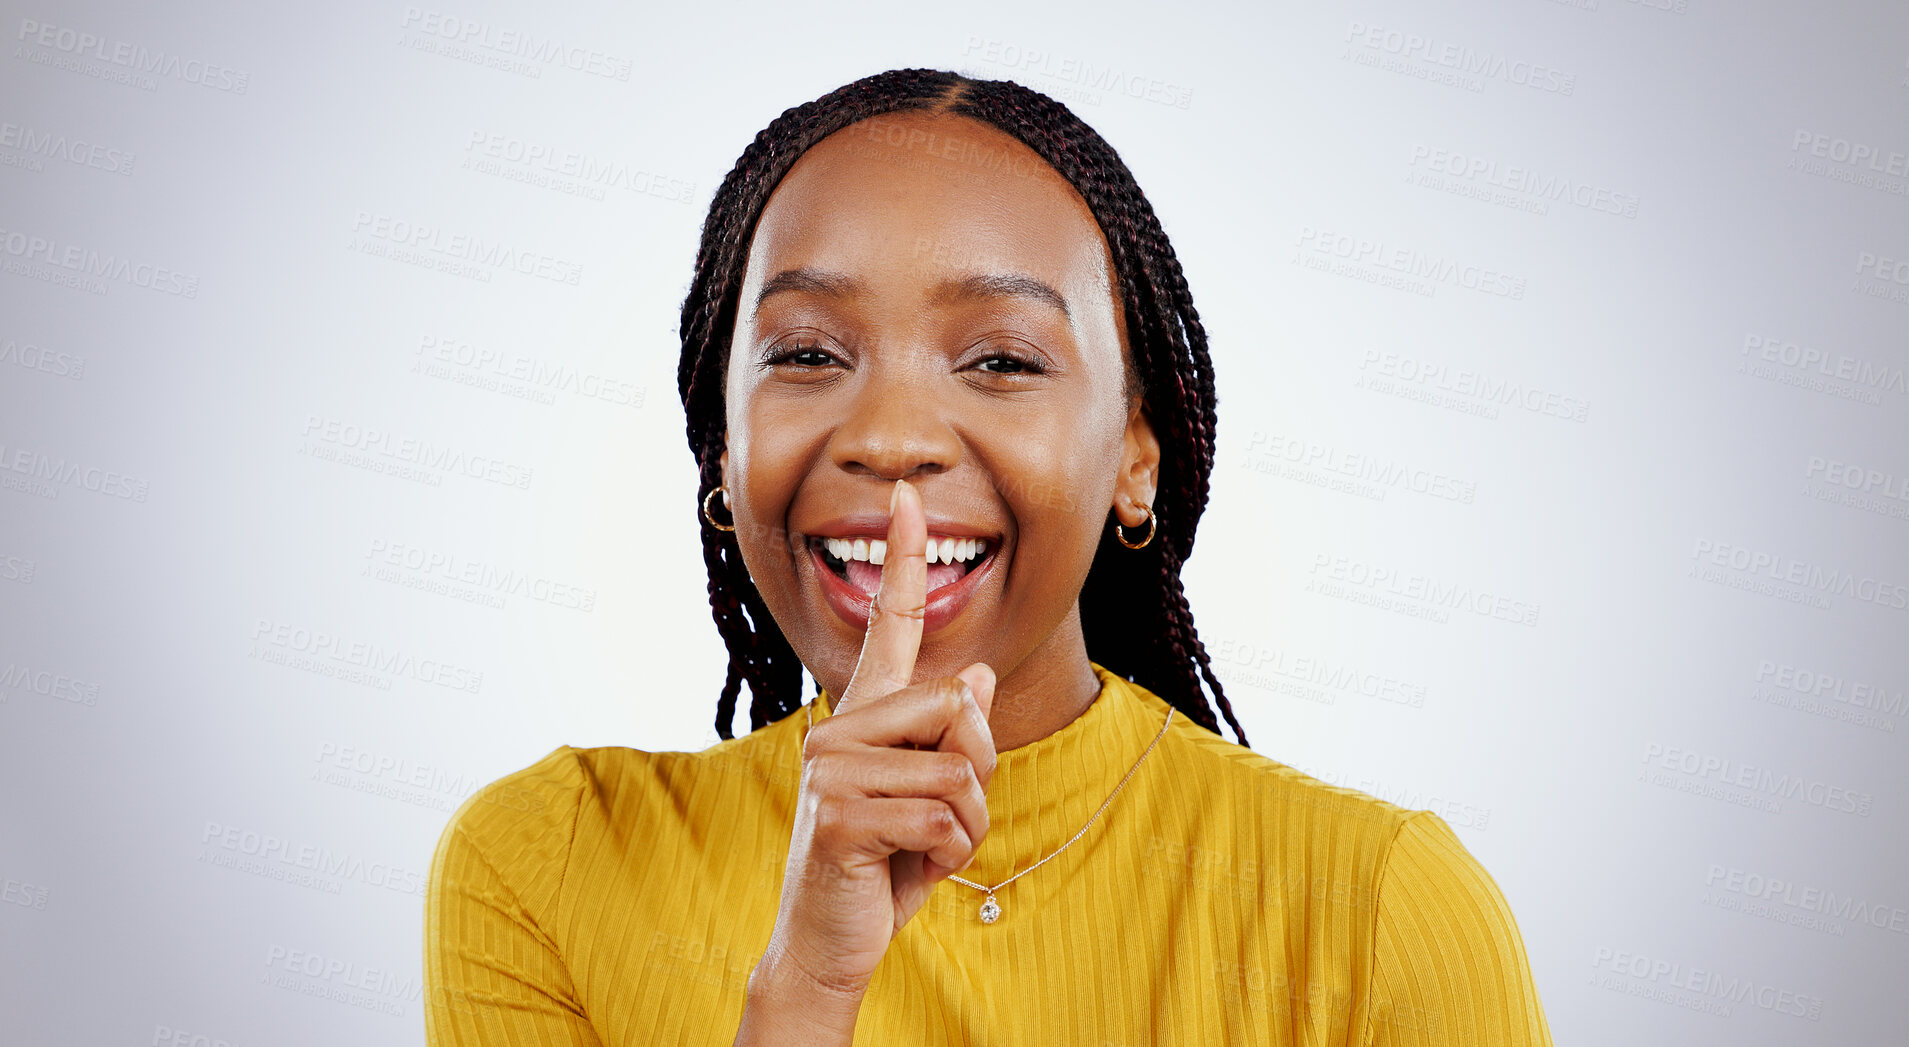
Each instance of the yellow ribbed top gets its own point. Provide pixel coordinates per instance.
(615, 896)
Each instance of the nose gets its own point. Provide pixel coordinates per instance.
(897, 427)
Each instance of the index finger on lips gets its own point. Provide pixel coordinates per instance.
(887, 662)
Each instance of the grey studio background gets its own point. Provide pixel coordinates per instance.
(1563, 480)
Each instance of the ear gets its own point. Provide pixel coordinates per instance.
(1139, 468)
(722, 467)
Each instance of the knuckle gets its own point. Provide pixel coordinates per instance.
(938, 822)
(984, 768)
(829, 817)
(951, 694)
(952, 773)
(817, 741)
(822, 770)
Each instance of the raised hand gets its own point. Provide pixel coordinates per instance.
(892, 799)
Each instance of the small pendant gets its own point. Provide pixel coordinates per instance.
(990, 909)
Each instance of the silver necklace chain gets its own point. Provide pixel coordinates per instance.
(990, 908)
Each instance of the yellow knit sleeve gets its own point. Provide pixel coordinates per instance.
(493, 972)
(1449, 968)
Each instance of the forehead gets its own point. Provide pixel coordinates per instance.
(914, 195)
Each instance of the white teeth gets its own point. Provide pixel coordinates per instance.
(875, 550)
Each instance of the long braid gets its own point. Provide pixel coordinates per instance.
(1134, 611)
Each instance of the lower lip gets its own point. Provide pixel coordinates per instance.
(852, 605)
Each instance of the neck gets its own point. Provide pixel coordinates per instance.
(1046, 690)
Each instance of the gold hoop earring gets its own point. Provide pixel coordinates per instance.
(1121, 533)
(711, 519)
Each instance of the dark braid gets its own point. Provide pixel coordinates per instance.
(1134, 611)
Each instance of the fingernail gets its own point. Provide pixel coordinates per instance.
(894, 497)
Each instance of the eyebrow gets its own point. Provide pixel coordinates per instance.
(987, 285)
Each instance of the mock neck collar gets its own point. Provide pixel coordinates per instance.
(1044, 792)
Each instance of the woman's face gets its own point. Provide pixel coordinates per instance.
(926, 299)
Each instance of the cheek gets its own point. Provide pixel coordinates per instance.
(1058, 497)
(764, 447)
(765, 467)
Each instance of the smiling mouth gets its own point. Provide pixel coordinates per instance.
(858, 561)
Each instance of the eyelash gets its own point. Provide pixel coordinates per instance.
(1028, 364)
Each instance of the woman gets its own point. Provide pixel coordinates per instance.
(955, 418)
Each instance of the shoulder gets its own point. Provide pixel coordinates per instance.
(526, 825)
(1409, 912)
(1426, 858)
(521, 822)
(1434, 889)
(1384, 847)
(1449, 963)
(1229, 776)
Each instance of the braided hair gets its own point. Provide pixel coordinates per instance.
(1133, 610)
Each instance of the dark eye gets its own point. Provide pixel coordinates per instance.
(801, 354)
(1011, 363)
